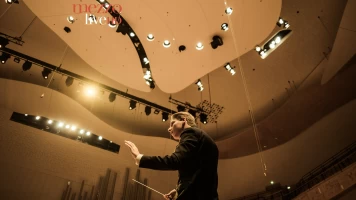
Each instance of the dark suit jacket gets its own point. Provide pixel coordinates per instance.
(196, 159)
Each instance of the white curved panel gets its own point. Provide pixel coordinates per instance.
(182, 22)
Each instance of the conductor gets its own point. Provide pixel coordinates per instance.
(195, 157)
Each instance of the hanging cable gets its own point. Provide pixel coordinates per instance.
(258, 142)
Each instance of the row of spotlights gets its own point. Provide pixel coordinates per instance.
(61, 124)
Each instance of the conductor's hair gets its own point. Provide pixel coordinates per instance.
(181, 115)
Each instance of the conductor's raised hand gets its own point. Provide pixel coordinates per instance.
(170, 195)
(133, 148)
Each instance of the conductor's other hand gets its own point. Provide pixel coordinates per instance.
(170, 195)
(133, 148)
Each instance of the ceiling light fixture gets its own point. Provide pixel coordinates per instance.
(230, 69)
(273, 43)
(26, 66)
(166, 44)
(224, 27)
(71, 19)
(200, 85)
(4, 57)
(228, 10)
(132, 104)
(150, 37)
(3, 42)
(199, 46)
(164, 116)
(203, 118)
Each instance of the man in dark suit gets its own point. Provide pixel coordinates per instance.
(195, 157)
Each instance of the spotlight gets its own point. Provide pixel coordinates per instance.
(272, 182)
(166, 44)
(145, 60)
(217, 41)
(50, 121)
(112, 97)
(26, 66)
(199, 46)
(3, 42)
(112, 23)
(230, 69)
(181, 48)
(224, 27)
(12, 1)
(90, 90)
(192, 112)
(203, 118)
(71, 19)
(73, 128)
(132, 34)
(288, 187)
(156, 112)
(69, 81)
(60, 124)
(280, 22)
(38, 118)
(4, 57)
(81, 131)
(67, 29)
(100, 138)
(200, 85)
(17, 60)
(283, 23)
(88, 133)
(164, 116)
(228, 10)
(180, 108)
(148, 110)
(258, 48)
(45, 73)
(132, 104)
(150, 37)
(106, 5)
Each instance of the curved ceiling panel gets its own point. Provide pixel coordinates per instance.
(181, 22)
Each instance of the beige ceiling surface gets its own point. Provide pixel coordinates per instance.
(181, 22)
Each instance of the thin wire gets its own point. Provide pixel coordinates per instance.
(259, 146)
(5, 11)
(28, 26)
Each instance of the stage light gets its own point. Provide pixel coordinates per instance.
(81, 132)
(230, 69)
(132, 104)
(38, 117)
(283, 23)
(166, 44)
(26, 66)
(100, 138)
(112, 97)
(217, 41)
(3, 42)
(50, 121)
(180, 108)
(88, 133)
(288, 187)
(73, 128)
(192, 112)
(164, 116)
(67, 126)
(224, 27)
(200, 85)
(60, 124)
(17, 60)
(150, 37)
(90, 91)
(4, 57)
(228, 10)
(199, 46)
(132, 34)
(258, 48)
(69, 81)
(145, 60)
(45, 73)
(203, 118)
(72, 20)
(12, 1)
(148, 110)
(156, 111)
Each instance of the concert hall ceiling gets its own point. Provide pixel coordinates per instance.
(275, 91)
